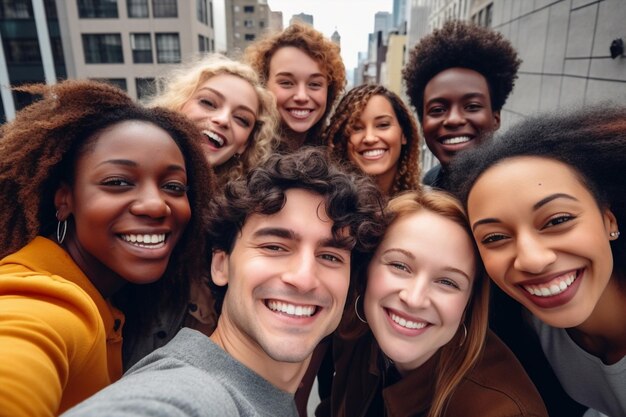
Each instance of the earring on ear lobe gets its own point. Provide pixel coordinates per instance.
(356, 310)
(615, 234)
(61, 228)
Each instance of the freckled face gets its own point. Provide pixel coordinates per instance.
(542, 237)
(225, 109)
(419, 283)
(300, 87)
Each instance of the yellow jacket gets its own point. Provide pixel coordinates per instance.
(60, 341)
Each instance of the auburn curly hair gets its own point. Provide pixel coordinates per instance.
(39, 150)
(348, 113)
(322, 50)
(179, 85)
(464, 45)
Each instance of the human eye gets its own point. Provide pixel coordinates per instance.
(436, 110)
(558, 220)
(244, 121)
(384, 125)
(116, 182)
(285, 83)
(472, 107)
(399, 266)
(356, 128)
(207, 102)
(272, 248)
(332, 258)
(448, 283)
(492, 238)
(176, 188)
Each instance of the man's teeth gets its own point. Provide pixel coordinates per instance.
(219, 142)
(373, 153)
(291, 309)
(145, 240)
(454, 141)
(554, 288)
(407, 323)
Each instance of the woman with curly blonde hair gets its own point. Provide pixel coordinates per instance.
(235, 113)
(374, 129)
(304, 71)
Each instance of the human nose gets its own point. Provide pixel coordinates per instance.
(301, 95)
(220, 117)
(415, 293)
(150, 203)
(533, 255)
(301, 273)
(370, 136)
(455, 117)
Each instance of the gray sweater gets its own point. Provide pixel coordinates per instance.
(190, 376)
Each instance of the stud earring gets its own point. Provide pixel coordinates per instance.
(615, 234)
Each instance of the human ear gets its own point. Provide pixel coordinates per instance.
(63, 201)
(403, 139)
(496, 120)
(610, 222)
(219, 268)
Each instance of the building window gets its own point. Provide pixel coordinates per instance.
(91, 9)
(488, 15)
(117, 82)
(22, 51)
(261, 24)
(16, 9)
(249, 36)
(248, 23)
(141, 45)
(248, 9)
(164, 8)
(168, 48)
(105, 48)
(201, 11)
(146, 87)
(211, 14)
(137, 8)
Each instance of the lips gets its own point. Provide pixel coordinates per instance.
(294, 310)
(455, 140)
(553, 287)
(373, 153)
(404, 324)
(554, 291)
(146, 240)
(300, 113)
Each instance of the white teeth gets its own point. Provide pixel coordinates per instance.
(291, 309)
(215, 137)
(407, 323)
(145, 240)
(553, 288)
(454, 141)
(373, 153)
(300, 113)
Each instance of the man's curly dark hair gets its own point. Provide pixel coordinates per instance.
(353, 202)
(462, 45)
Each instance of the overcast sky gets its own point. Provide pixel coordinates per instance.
(353, 19)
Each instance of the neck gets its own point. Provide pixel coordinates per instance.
(283, 375)
(294, 140)
(603, 334)
(385, 181)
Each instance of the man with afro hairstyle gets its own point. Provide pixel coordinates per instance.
(458, 78)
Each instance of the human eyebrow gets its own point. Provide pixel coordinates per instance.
(125, 162)
(217, 93)
(552, 197)
(342, 244)
(276, 232)
(402, 251)
(485, 221)
(457, 270)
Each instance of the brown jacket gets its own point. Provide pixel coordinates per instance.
(496, 387)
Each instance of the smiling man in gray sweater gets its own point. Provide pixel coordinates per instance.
(284, 242)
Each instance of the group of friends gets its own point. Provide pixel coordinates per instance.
(253, 228)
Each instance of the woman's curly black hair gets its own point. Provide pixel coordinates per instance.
(465, 45)
(353, 202)
(592, 141)
(39, 150)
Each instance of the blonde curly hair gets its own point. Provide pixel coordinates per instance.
(179, 85)
(321, 49)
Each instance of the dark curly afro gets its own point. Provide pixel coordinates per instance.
(465, 45)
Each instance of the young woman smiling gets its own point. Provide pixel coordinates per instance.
(373, 129)
(102, 219)
(416, 343)
(225, 100)
(545, 201)
(304, 71)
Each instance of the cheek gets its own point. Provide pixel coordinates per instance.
(376, 289)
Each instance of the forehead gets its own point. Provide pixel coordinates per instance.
(377, 105)
(456, 80)
(233, 88)
(293, 60)
(129, 136)
(525, 180)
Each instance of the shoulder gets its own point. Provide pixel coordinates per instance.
(498, 380)
(176, 390)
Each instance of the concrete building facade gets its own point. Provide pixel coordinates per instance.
(246, 22)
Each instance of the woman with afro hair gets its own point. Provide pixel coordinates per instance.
(304, 71)
(458, 78)
(102, 220)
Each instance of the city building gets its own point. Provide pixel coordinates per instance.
(246, 22)
(124, 42)
(336, 37)
(275, 21)
(302, 17)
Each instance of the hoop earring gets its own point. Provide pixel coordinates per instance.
(61, 228)
(464, 335)
(356, 310)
